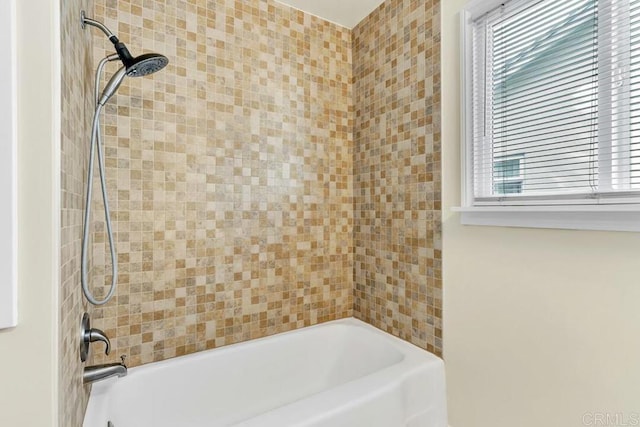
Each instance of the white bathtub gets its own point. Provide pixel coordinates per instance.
(338, 374)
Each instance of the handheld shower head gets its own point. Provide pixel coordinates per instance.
(113, 85)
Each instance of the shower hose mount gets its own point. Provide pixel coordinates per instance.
(138, 66)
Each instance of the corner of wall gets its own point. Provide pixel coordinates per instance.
(76, 107)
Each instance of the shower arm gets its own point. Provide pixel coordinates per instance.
(121, 49)
(88, 21)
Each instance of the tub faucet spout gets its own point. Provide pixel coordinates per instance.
(95, 373)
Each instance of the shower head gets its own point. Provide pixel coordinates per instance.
(146, 64)
(138, 66)
(134, 67)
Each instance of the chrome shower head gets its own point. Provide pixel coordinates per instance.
(139, 66)
(146, 64)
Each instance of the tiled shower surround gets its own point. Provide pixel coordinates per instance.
(76, 118)
(282, 171)
(398, 241)
(230, 175)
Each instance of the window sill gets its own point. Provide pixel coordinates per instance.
(597, 217)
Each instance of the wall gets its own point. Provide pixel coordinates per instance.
(28, 353)
(540, 325)
(230, 176)
(77, 87)
(398, 256)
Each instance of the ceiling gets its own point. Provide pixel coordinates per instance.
(347, 13)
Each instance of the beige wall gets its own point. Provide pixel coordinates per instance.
(540, 326)
(28, 354)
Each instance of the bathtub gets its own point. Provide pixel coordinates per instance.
(337, 374)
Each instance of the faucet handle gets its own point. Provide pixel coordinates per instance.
(97, 335)
(89, 335)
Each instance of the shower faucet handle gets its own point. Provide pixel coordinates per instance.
(89, 335)
(97, 335)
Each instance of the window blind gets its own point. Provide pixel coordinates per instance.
(556, 101)
(634, 93)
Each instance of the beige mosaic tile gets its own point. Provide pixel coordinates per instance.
(397, 200)
(230, 174)
(282, 171)
(76, 110)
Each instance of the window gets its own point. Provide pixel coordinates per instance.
(552, 99)
(507, 174)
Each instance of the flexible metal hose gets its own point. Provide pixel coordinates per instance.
(96, 145)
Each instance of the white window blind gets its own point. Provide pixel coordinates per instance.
(556, 102)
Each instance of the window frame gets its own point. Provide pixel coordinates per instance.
(8, 167)
(611, 212)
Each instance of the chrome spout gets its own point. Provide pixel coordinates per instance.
(95, 373)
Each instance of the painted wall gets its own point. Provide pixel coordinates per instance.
(541, 326)
(28, 353)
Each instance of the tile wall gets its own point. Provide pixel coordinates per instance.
(77, 72)
(397, 200)
(230, 176)
(282, 171)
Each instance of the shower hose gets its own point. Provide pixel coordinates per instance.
(96, 145)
